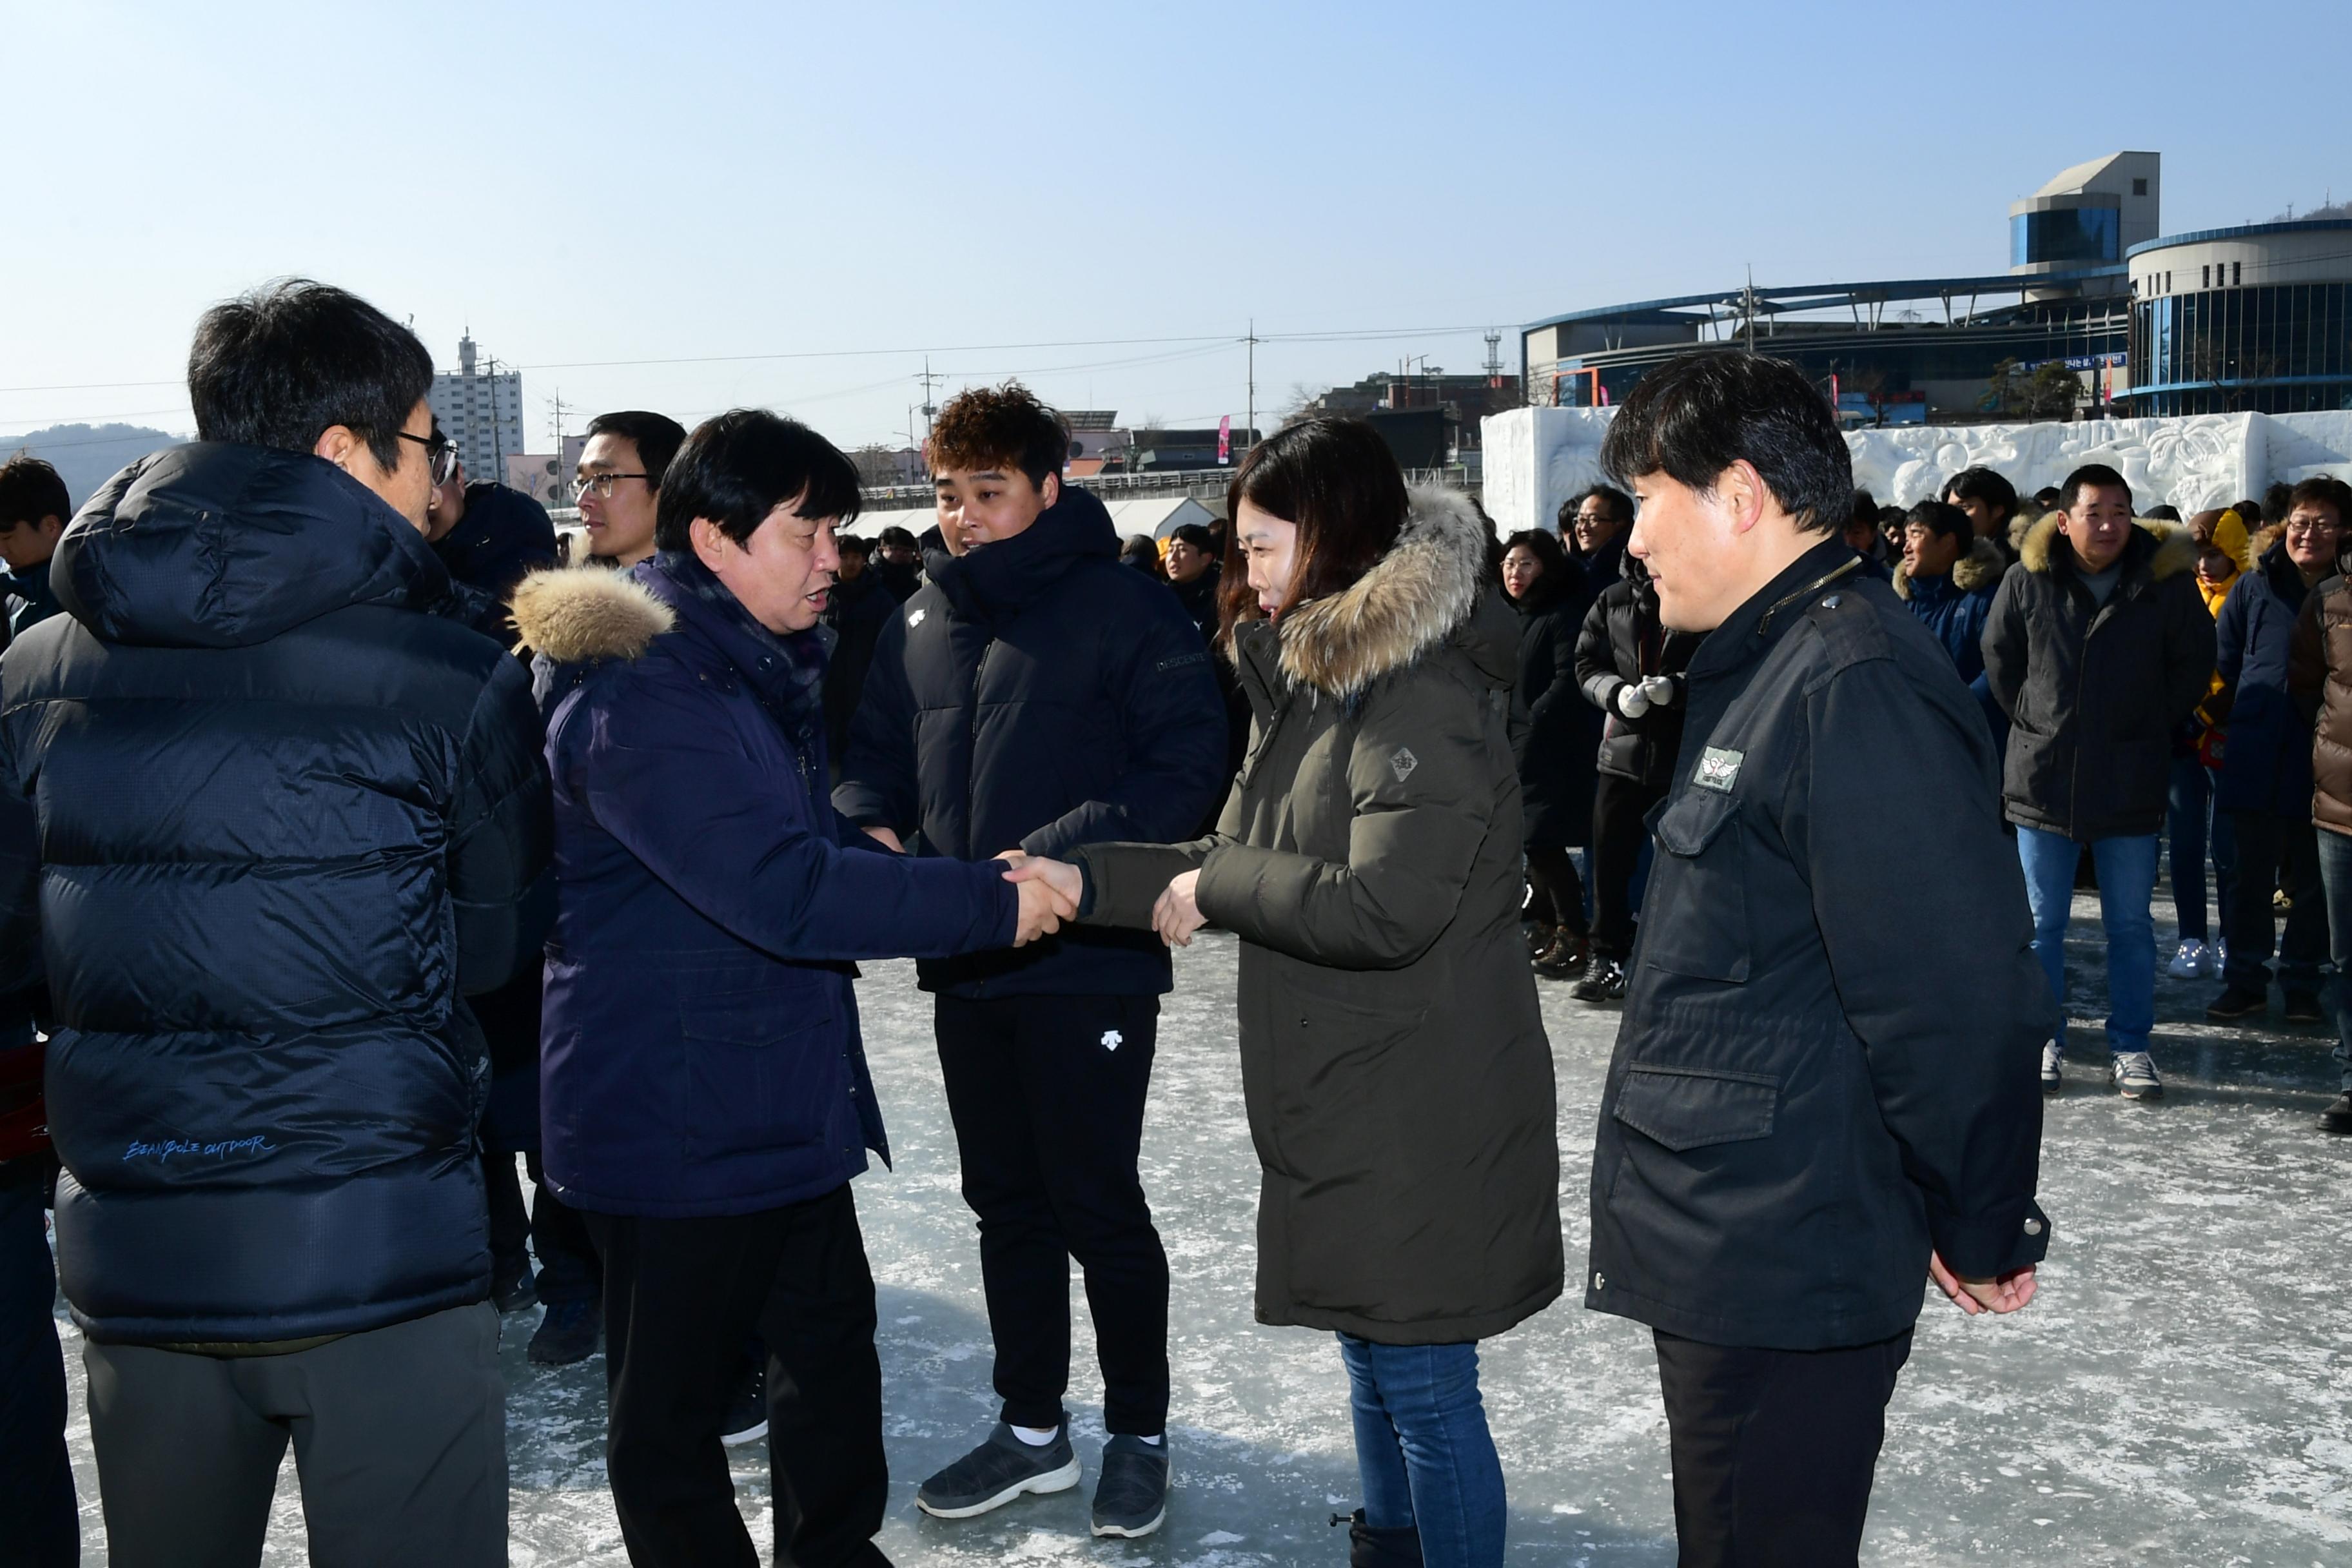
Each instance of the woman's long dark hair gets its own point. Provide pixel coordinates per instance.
(1337, 482)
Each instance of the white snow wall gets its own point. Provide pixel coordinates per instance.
(1537, 457)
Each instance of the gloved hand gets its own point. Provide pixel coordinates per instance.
(1631, 701)
(1660, 691)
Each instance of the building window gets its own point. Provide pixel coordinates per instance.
(2205, 275)
(2139, 186)
(2237, 273)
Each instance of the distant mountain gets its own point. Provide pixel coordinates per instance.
(87, 455)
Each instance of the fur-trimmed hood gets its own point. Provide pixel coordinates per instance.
(2171, 549)
(577, 615)
(1424, 592)
(1978, 571)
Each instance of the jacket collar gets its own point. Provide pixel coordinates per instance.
(1418, 596)
(2158, 550)
(784, 670)
(1750, 630)
(1001, 580)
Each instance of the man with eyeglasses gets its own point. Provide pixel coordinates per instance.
(620, 482)
(290, 815)
(2264, 786)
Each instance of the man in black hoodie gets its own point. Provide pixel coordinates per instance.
(1034, 695)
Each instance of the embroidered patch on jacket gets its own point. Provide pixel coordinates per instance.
(1112, 1040)
(1403, 762)
(1719, 769)
(915, 617)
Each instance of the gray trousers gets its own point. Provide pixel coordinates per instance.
(399, 1438)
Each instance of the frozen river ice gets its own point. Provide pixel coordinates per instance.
(2180, 1392)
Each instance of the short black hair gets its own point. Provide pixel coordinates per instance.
(1942, 516)
(658, 436)
(1984, 485)
(30, 491)
(1620, 504)
(2163, 513)
(2320, 490)
(2048, 496)
(1697, 414)
(856, 545)
(281, 365)
(1193, 534)
(1866, 505)
(738, 467)
(898, 537)
(2091, 476)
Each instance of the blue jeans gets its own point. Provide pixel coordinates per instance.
(2335, 876)
(1423, 1448)
(2192, 827)
(2126, 869)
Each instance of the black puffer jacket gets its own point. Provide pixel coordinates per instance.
(1035, 694)
(1799, 1108)
(1554, 731)
(287, 815)
(1621, 641)
(2093, 692)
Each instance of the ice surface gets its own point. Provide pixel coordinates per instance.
(1537, 458)
(2181, 1392)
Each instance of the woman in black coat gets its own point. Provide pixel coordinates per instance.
(1553, 738)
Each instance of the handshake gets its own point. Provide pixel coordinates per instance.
(1636, 698)
(1049, 890)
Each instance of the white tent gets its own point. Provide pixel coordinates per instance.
(1158, 516)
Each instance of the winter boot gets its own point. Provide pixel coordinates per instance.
(1369, 1548)
(1540, 935)
(1565, 959)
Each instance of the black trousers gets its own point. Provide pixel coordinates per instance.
(1619, 805)
(1559, 890)
(2272, 853)
(1773, 1450)
(681, 1296)
(568, 1270)
(1047, 1094)
(38, 1524)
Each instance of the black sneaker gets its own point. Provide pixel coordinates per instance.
(2337, 1117)
(1131, 1495)
(1565, 959)
(511, 1286)
(2303, 1007)
(747, 1412)
(2234, 1003)
(996, 1472)
(1604, 981)
(571, 1331)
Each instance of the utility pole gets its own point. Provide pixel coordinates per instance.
(1249, 419)
(497, 447)
(1493, 359)
(561, 488)
(929, 408)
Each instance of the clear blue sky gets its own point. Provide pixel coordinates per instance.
(692, 181)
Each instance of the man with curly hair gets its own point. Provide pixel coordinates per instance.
(1034, 695)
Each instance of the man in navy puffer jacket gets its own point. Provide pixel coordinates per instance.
(1035, 695)
(703, 1087)
(287, 812)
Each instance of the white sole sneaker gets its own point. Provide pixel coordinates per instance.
(749, 1435)
(1133, 1533)
(1059, 1481)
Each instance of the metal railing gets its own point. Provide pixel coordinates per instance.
(1194, 482)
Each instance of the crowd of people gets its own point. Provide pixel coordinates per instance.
(2164, 689)
(357, 843)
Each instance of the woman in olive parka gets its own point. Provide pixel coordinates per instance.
(1394, 1067)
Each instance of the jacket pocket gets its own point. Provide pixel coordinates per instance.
(1696, 916)
(762, 1075)
(1685, 1108)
